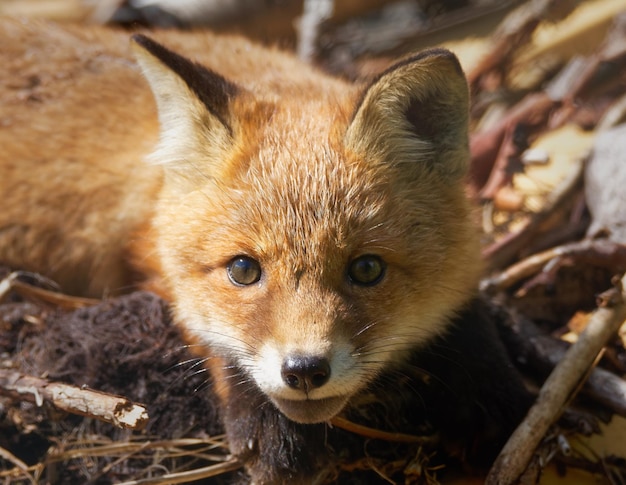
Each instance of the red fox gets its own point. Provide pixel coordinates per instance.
(309, 233)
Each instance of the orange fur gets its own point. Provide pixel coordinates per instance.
(275, 161)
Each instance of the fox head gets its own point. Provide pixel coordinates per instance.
(312, 239)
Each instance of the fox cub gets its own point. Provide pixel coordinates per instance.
(310, 234)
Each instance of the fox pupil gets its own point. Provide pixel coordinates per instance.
(366, 270)
(244, 271)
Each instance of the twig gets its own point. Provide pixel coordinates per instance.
(23, 467)
(598, 251)
(11, 282)
(378, 434)
(66, 302)
(189, 476)
(558, 388)
(537, 353)
(504, 165)
(81, 449)
(105, 407)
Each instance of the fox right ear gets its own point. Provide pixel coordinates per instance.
(193, 104)
(415, 115)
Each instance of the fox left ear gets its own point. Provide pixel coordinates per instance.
(415, 115)
(193, 104)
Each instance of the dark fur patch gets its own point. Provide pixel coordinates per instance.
(475, 397)
(274, 449)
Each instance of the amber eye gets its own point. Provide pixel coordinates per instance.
(243, 271)
(366, 270)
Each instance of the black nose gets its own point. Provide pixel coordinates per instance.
(305, 373)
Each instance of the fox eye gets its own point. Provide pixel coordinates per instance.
(366, 270)
(243, 271)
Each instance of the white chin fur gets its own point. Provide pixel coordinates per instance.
(311, 411)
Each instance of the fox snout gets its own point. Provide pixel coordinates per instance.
(309, 382)
(306, 393)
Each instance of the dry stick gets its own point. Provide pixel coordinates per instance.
(540, 354)
(21, 466)
(133, 447)
(12, 283)
(557, 390)
(56, 298)
(105, 407)
(378, 434)
(599, 251)
(189, 476)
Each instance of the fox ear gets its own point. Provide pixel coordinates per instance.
(415, 115)
(193, 105)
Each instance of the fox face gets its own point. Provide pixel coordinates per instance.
(311, 241)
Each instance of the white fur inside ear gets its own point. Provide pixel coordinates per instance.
(188, 129)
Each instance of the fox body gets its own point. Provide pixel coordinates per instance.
(309, 233)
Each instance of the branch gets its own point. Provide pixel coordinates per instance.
(559, 388)
(377, 434)
(599, 252)
(12, 283)
(109, 408)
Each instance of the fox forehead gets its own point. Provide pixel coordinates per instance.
(310, 202)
